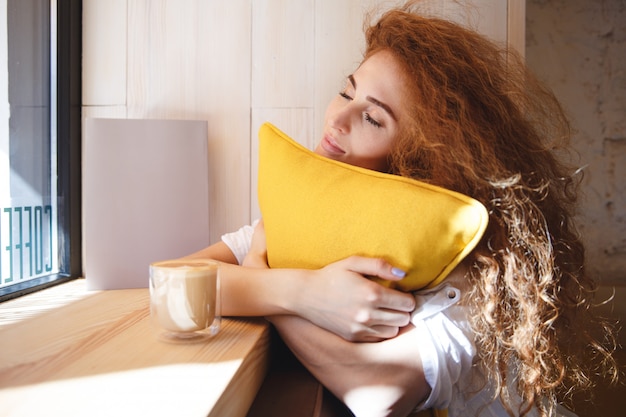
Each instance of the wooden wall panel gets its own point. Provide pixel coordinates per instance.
(488, 17)
(193, 62)
(236, 64)
(104, 52)
(108, 112)
(282, 53)
(516, 25)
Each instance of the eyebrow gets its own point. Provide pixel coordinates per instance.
(373, 100)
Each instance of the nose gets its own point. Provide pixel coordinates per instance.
(341, 118)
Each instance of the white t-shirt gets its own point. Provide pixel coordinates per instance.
(447, 350)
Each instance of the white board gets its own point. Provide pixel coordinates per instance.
(145, 197)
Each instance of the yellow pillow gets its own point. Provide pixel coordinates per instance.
(317, 211)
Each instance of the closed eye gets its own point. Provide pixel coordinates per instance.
(369, 119)
(344, 95)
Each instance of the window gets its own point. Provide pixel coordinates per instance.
(40, 47)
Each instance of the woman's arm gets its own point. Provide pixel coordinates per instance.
(337, 298)
(218, 251)
(372, 379)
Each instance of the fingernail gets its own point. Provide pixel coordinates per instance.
(398, 272)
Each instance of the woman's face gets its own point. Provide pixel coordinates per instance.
(361, 122)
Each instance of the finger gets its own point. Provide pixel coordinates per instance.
(394, 300)
(383, 317)
(374, 267)
(378, 333)
(393, 318)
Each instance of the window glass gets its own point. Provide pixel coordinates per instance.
(32, 243)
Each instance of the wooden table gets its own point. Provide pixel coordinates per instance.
(97, 355)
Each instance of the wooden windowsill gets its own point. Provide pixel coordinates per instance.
(72, 352)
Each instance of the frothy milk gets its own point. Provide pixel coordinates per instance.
(183, 294)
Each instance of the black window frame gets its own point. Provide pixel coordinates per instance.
(68, 133)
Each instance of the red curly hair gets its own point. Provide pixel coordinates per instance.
(484, 126)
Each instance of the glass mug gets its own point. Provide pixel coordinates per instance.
(185, 299)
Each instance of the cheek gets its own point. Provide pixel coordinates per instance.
(332, 108)
(374, 155)
(376, 146)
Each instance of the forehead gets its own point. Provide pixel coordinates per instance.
(381, 76)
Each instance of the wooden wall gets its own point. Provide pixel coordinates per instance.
(236, 64)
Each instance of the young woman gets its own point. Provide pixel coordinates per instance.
(511, 329)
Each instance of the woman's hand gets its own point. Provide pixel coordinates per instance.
(340, 299)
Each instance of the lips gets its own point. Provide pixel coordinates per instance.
(329, 145)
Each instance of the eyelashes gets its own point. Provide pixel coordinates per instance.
(344, 95)
(366, 116)
(369, 119)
